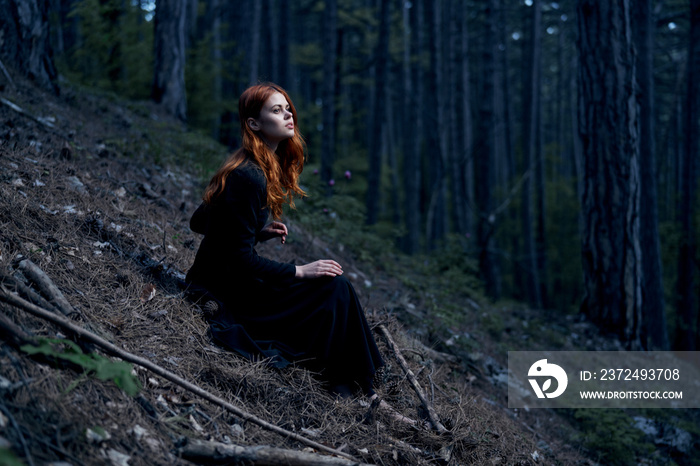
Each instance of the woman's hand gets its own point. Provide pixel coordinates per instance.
(274, 230)
(321, 268)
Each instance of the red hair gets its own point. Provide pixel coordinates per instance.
(281, 168)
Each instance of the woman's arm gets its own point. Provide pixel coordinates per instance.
(273, 230)
(320, 268)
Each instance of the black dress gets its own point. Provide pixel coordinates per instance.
(264, 310)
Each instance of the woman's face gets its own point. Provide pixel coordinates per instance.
(275, 122)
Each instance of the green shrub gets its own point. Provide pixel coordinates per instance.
(611, 436)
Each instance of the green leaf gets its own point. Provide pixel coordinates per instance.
(120, 373)
(94, 364)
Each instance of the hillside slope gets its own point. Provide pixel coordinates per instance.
(90, 192)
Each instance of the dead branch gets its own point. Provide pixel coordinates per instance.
(18, 281)
(216, 452)
(19, 110)
(158, 370)
(12, 333)
(50, 290)
(434, 354)
(432, 415)
(41, 121)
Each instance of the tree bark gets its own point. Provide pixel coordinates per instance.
(330, 15)
(202, 451)
(609, 128)
(254, 57)
(686, 325)
(390, 150)
(410, 135)
(456, 153)
(215, 11)
(25, 43)
(437, 129)
(374, 151)
(693, 115)
(531, 102)
(467, 131)
(169, 65)
(485, 147)
(652, 289)
(285, 37)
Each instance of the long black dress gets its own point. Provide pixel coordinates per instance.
(264, 309)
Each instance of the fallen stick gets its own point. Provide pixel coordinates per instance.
(434, 354)
(41, 121)
(19, 282)
(432, 415)
(202, 451)
(50, 290)
(19, 110)
(156, 369)
(12, 333)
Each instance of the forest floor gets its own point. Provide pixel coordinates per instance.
(89, 193)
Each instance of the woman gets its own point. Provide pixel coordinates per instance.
(308, 313)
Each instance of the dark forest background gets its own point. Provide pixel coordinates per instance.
(553, 143)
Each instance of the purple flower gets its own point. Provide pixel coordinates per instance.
(325, 211)
(348, 175)
(331, 182)
(315, 171)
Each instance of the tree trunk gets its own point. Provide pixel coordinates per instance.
(57, 27)
(169, 65)
(390, 149)
(374, 151)
(531, 155)
(25, 41)
(456, 153)
(330, 15)
(652, 288)
(437, 129)
(685, 328)
(254, 57)
(467, 159)
(501, 170)
(577, 144)
(609, 128)
(217, 59)
(283, 77)
(410, 135)
(485, 147)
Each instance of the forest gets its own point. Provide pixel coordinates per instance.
(554, 143)
(532, 157)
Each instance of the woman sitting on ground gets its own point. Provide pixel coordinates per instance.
(305, 313)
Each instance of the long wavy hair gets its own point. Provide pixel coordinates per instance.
(281, 168)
